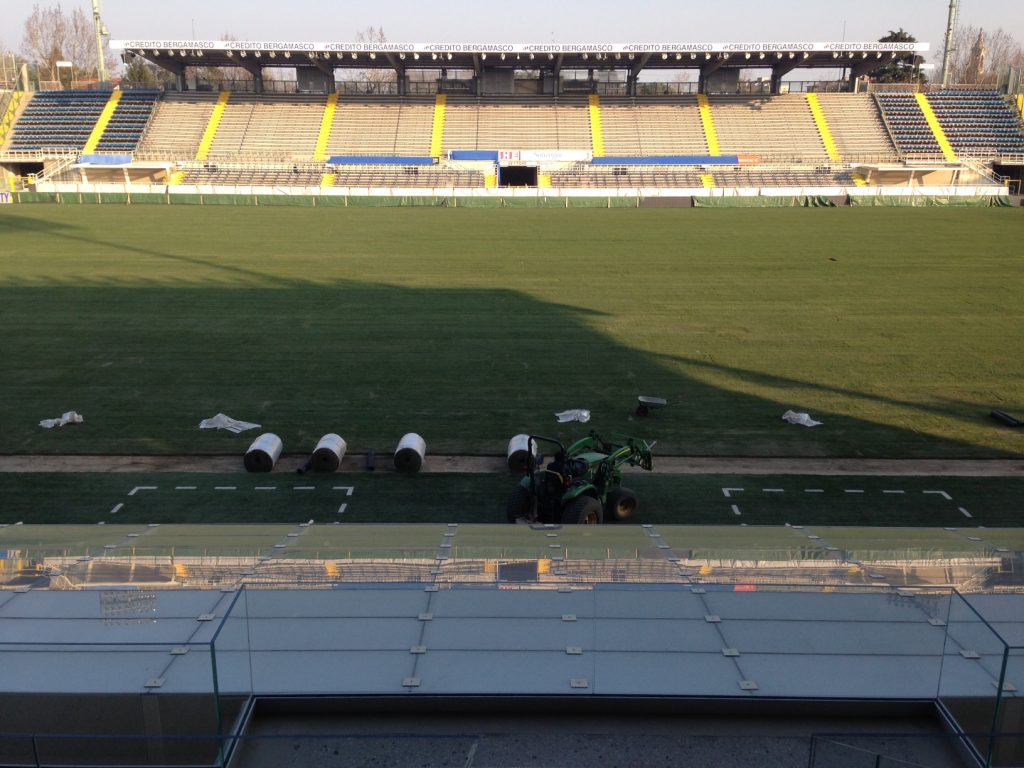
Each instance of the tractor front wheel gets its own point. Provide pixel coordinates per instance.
(583, 510)
(621, 505)
(519, 504)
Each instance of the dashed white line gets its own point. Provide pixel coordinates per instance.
(303, 487)
(735, 509)
(853, 490)
(943, 494)
(893, 491)
(265, 488)
(772, 490)
(138, 488)
(814, 490)
(965, 512)
(347, 488)
(225, 488)
(342, 508)
(184, 487)
(727, 492)
(116, 509)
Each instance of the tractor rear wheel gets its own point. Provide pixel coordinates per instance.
(583, 510)
(621, 505)
(518, 504)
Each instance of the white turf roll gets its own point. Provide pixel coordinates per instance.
(410, 453)
(519, 453)
(263, 453)
(328, 453)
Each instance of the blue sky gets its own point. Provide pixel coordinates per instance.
(524, 21)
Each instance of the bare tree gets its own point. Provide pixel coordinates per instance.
(375, 78)
(51, 35)
(1001, 50)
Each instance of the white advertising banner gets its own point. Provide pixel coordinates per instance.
(506, 156)
(519, 48)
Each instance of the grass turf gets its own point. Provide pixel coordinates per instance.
(894, 327)
(461, 498)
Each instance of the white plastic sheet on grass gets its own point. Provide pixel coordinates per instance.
(803, 419)
(220, 421)
(71, 417)
(576, 414)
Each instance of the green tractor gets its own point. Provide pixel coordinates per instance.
(582, 484)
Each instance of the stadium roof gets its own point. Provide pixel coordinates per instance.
(173, 54)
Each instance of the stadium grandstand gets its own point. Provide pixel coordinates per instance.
(441, 643)
(548, 121)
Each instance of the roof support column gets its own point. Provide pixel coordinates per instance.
(634, 73)
(860, 69)
(328, 70)
(557, 72)
(780, 70)
(709, 67)
(255, 70)
(400, 78)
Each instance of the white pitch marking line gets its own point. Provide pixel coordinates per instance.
(893, 491)
(814, 490)
(303, 487)
(965, 512)
(772, 490)
(184, 487)
(853, 490)
(342, 508)
(225, 488)
(943, 494)
(347, 488)
(138, 488)
(735, 509)
(728, 492)
(265, 488)
(116, 509)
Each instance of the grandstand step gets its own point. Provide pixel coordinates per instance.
(596, 128)
(823, 128)
(324, 136)
(707, 180)
(933, 123)
(859, 180)
(211, 128)
(101, 124)
(707, 119)
(437, 129)
(328, 180)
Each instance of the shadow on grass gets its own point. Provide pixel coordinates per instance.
(466, 368)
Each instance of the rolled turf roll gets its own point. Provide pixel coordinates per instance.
(328, 453)
(263, 453)
(410, 453)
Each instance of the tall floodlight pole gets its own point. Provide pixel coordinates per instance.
(101, 30)
(947, 55)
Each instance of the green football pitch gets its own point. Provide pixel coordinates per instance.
(899, 329)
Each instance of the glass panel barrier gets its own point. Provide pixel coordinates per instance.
(232, 665)
(972, 668)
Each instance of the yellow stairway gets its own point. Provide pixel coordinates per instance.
(596, 128)
(823, 129)
(211, 128)
(101, 124)
(437, 132)
(708, 121)
(933, 123)
(326, 123)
